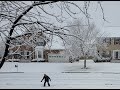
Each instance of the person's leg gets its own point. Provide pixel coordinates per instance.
(48, 83)
(44, 83)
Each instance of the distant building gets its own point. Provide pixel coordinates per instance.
(27, 47)
(111, 49)
(30, 47)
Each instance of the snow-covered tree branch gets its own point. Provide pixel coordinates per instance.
(17, 17)
(85, 46)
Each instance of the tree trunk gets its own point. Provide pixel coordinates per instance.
(15, 24)
(10, 34)
(85, 62)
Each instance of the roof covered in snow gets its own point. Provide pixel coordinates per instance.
(111, 31)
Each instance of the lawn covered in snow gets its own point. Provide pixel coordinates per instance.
(63, 75)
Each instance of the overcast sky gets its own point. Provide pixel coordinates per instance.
(111, 13)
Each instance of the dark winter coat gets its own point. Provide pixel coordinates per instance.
(47, 78)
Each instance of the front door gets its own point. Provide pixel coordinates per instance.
(116, 55)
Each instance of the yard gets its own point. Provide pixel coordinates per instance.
(63, 75)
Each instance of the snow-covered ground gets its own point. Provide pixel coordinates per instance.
(64, 75)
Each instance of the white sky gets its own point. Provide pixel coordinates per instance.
(112, 15)
(111, 12)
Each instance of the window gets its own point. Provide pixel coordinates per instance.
(116, 41)
(39, 54)
(39, 43)
(22, 52)
(28, 55)
(16, 56)
(104, 40)
(107, 40)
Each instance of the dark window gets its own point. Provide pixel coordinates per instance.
(27, 55)
(22, 53)
(39, 54)
(116, 41)
(107, 40)
(39, 43)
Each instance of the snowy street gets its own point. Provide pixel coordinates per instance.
(63, 75)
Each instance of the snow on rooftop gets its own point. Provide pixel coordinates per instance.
(56, 44)
(111, 31)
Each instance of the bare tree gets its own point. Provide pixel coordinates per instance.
(16, 17)
(85, 42)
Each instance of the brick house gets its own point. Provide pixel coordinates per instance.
(30, 47)
(27, 47)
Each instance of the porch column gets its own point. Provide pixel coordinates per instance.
(39, 53)
(113, 54)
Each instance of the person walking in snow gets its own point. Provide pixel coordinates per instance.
(46, 78)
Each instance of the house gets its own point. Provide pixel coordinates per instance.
(110, 47)
(27, 47)
(31, 47)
